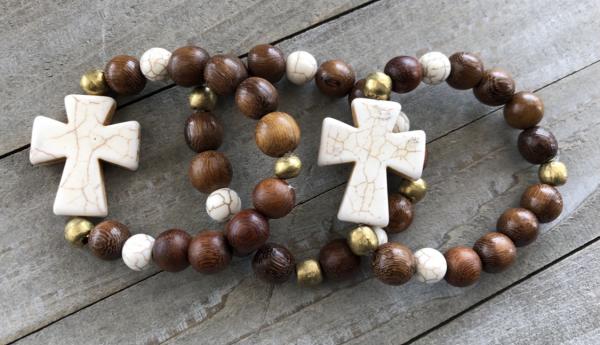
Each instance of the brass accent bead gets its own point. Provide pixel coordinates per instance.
(308, 273)
(288, 166)
(553, 173)
(378, 85)
(414, 190)
(202, 98)
(93, 82)
(362, 240)
(77, 231)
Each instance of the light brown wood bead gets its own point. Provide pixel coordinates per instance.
(223, 74)
(274, 197)
(266, 61)
(186, 65)
(208, 252)
(335, 78)
(401, 211)
(393, 263)
(209, 171)
(124, 76)
(337, 260)
(525, 110)
(466, 71)
(544, 201)
(496, 251)
(276, 134)
(203, 132)
(406, 73)
(170, 250)
(537, 145)
(107, 238)
(247, 231)
(357, 91)
(495, 88)
(256, 97)
(273, 263)
(520, 225)
(463, 266)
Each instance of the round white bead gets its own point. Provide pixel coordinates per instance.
(222, 204)
(402, 123)
(431, 265)
(436, 67)
(382, 237)
(300, 67)
(137, 252)
(153, 63)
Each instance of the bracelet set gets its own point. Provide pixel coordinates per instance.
(380, 139)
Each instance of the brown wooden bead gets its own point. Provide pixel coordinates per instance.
(520, 225)
(203, 132)
(496, 251)
(393, 263)
(495, 88)
(273, 263)
(463, 266)
(223, 74)
(357, 91)
(170, 250)
(256, 97)
(247, 231)
(208, 252)
(335, 78)
(209, 171)
(524, 110)
(537, 145)
(266, 61)
(401, 211)
(466, 71)
(406, 73)
(107, 238)
(124, 76)
(544, 201)
(276, 134)
(274, 197)
(186, 65)
(337, 260)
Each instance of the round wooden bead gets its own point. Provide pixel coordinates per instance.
(153, 63)
(209, 171)
(337, 260)
(107, 238)
(436, 67)
(308, 273)
(357, 91)
(406, 73)
(553, 173)
(431, 265)
(222, 204)
(537, 145)
(300, 67)
(93, 82)
(208, 252)
(276, 134)
(466, 71)
(137, 252)
(203, 132)
(544, 201)
(273, 263)
(223, 73)
(464, 266)
(335, 78)
(401, 211)
(266, 61)
(524, 110)
(520, 225)
(247, 231)
(393, 263)
(274, 197)
(124, 76)
(495, 88)
(186, 65)
(496, 251)
(256, 97)
(170, 251)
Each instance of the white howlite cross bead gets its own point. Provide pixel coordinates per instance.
(85, 139)
(373, 147)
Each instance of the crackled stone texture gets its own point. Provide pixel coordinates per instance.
(431, 265)
(222, 204)
(436, 67)
(137, 252)
(301, 67)
(153, 63)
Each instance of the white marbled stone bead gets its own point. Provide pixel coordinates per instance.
(382, 237)
(431, 265)
(436, 67)
(153, 63)
(137, 252)
(222, 204)
(300, 67)
(402, 123)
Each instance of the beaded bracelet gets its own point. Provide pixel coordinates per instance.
(277, 135)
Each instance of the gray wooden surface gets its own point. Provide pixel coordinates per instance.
(51, 293)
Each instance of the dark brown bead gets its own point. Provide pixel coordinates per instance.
(276, 134)
(203, 132)
(401, 211)
(337, 260)
(520, 225)
(406, 73)
(223, 74)
(537, 145)
(208, 252)
(124, 76)
(107, 238)
(335, 78)
(464, 266)
(170, 250)
(209, 171)
(247, 231)
(256, 97)
(266, 61)
(186, 65)
(496, 251)
(495, 88)
(466, 71)
(544, 201)
(274, 197)
(273, 263)
(357, 91)
(524, 110)
(393, 263)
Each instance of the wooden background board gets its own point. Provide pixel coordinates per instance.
(51, 293)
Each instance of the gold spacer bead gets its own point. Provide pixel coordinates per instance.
(77, 231)
(378, 85)
(93, 82)
(288, 166)
(362, 240)
(202, 98)
(414, 190)
(308, 273)
(553, 173)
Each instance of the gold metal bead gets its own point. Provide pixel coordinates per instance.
(308, 273)
(414, 190)
(93, 82)
(288, 166)
(553, 173)
(203, 98)
(77, 231)
(362, 240)
(378, 85)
